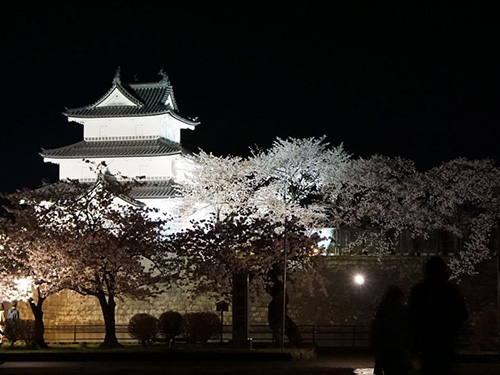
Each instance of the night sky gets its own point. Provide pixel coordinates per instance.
(418, 81)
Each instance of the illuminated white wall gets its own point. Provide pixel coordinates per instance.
(164, 126)
(153, 168)
(173, 209)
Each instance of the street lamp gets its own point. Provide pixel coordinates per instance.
(359, 279)
(283, 316)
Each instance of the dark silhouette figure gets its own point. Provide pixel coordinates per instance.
(2, 322)
(275, 312)
(390, 334)
(12, 324)
(436, 310)
(13, 313)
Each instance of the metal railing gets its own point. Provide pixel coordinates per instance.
(321, 335)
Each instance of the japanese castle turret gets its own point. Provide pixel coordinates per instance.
(135, 128)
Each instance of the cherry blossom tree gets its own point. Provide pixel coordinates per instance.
(107, 244)
(30, 266)
(381, 197)
(293, 174)
(291, 178)
(218, 185)
(463, 200)
(384, 196)
(246, 242)
(281, 186)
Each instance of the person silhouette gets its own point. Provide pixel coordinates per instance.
(436, 310)
(12, 323)
(2, 322)
(389, 334)
(13, 313)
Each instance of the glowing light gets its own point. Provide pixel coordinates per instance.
(326, 235)
(316, 252)
(23, 285)
(359, 279)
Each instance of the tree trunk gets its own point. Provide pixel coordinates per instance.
(275, 313)
(36, 309)
(108, 312)
(240, 311)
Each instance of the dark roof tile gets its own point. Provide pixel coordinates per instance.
(156, 189)
(130, 148)
(151, 99)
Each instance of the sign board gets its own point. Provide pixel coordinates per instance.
(222, 306)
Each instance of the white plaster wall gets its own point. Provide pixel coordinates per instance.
(171, 128)
(181, 168)
(169, 208)
(121, 127)
(164, 126)
(155, 168)
(174, 210)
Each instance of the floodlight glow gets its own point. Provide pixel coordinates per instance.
(326, 235)
(315, 252)
(359, 279)
(23, 285)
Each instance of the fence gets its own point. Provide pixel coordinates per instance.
(321, 335)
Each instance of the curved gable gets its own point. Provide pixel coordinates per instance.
(116, 98)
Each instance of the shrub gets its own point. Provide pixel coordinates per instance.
(21, 330)
(143, 327)
(170, 324)
(200, 326)
(12, 331)
(27, 333)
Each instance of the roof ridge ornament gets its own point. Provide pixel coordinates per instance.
(164, 76)
(117, 79)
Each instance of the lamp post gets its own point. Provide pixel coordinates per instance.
(359, 280)
(283, 318)
(498, 284)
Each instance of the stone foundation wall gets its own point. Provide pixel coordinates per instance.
(69, 308)
(343, 302)
(334, 299)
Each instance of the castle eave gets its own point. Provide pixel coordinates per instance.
(156, 190)
(119, 112)
(107, 149)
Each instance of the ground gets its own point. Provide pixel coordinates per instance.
(331, 362)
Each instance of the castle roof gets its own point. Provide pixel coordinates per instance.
(132, 100)
(143, 190)
(156, 189)
(119, 148)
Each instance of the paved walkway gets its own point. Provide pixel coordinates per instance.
(334, 364)
(211, 368)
